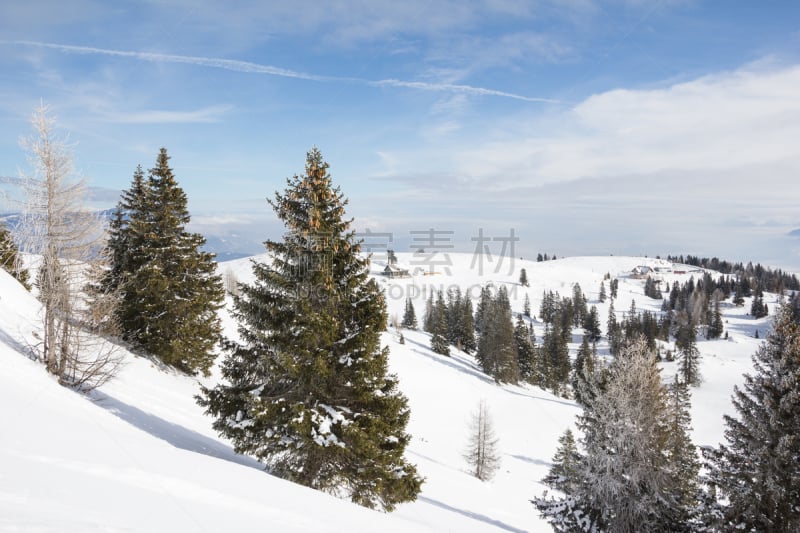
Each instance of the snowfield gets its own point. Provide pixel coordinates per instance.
(140, 455)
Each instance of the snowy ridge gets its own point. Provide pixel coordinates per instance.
(139, 455)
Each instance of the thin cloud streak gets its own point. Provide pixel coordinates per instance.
(257, 68)
(465, 89)
(227, 64)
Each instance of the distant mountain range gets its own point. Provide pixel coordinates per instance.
(227, 245)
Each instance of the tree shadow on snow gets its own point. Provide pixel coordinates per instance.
(454, 362)
(174, 434)
(533, 460)
(472, 515)
(18, 346)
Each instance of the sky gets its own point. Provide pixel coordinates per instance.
(572, 127)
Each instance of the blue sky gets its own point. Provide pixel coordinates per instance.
(624, 127)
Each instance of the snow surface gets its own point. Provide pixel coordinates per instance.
(140, 455)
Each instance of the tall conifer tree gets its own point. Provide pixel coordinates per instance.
(307, 390)
(168, 287)
(757, 472)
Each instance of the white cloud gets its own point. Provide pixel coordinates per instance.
(204, 115)
(747, 117)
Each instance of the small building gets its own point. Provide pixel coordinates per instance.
(641, 272)
(394, 270)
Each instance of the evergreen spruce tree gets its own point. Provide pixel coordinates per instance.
(758, 309)
(497, 353)
(556, 350)
(307, 390)
(409, 317)
(579, 308)
(9, 258)
(591, 325)
(614, 283)
(469, 343)
(523, 278)
(563, 475)
(526, 306)
(756, 473)
(428, 319)
(688, 354)
(439, 341)
(525, 350)
(548, 307)
(127, 232)
(583, 370)
(738, 299)
(169, 289)
(455, 322)
(716, 328)
(484, 301)
(602, 297)
(613, 331)
(683, 457)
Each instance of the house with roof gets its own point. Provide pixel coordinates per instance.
(393, 270)
(641, 272)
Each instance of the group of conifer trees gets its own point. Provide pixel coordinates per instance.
(505, 347)
(166, 287)
(306, 388)
(634, 467)
(448, 319)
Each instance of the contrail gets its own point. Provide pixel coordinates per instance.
(227, 64)
(466, 89)
(257, 68)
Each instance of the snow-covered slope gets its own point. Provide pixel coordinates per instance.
(139, 455)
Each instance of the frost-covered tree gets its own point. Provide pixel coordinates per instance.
(626, 479)
(10, 260)
(307, 389)
(756, 473)
(602, 296)
(58, 228)
(482, 453)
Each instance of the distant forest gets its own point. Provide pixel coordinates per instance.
(767, 279)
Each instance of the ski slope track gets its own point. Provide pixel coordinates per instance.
(139, 455)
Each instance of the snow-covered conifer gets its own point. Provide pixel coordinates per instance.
(756, 473)
(307, 389)
(168, 287)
